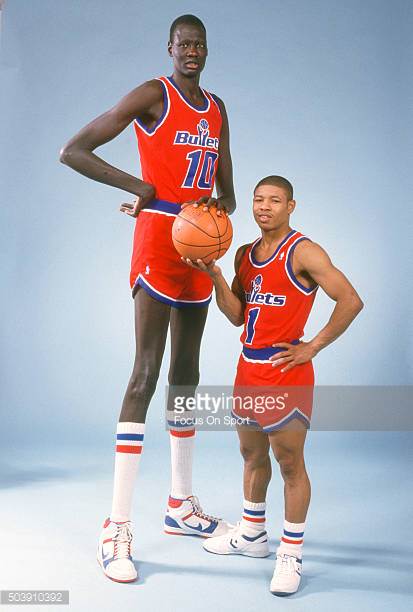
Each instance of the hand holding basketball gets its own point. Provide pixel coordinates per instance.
(206, 202)
(212, 269)
(199, 234)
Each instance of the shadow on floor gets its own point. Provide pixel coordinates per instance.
(13, 476)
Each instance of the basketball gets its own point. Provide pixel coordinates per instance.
(199, 234)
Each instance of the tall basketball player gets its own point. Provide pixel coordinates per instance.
(275, 283)
(183, 140)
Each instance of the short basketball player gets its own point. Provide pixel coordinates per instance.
(183, 140)
(276, 280)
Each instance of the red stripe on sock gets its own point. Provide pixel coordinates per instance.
(287, 541)
(129, 449)
(254, 520)
(182, 434)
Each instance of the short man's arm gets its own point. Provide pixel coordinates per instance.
(311, 260)
(231, 301)
(228, 301)
(144, 101)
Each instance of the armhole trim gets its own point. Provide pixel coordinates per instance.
(162, 118)
(289, 268)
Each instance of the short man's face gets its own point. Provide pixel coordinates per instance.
(271, 206)
(188, 49)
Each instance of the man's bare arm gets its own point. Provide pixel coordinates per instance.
(310, 259)
(224, 177)
(231, 301)
(146, 102)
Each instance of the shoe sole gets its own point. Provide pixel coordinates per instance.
(282, 593)
(242, 554)
(178, 533)
(116, 579)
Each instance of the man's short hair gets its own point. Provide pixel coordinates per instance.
(277, 181)
(187, 20)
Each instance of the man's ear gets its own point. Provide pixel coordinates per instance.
(291, 206)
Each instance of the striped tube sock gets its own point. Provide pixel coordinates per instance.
(292, 539)
(129, 442)
(182, 437)
(253, 516)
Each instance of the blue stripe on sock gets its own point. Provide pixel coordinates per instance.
(129, 437)
(254, 512)
(189, 424)
(294, 534)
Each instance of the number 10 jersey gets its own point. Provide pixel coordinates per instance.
(179, 155)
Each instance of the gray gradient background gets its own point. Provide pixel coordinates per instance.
(318, 91)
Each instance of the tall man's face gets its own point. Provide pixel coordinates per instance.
(188, 49)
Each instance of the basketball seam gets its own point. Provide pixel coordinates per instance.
(201, 246)
(219, 236)
(197, 226)
(208, 254)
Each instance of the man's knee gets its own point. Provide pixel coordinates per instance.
(142, 384)
(254, 457)
(291, 464)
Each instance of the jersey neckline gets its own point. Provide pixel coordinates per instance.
(259, 264)
(199, 109)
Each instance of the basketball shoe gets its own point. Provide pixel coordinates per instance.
(186, 517)
(240, 541)
(114, 551)
(287, 575)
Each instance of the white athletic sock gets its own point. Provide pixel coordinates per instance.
(129, 443)
(292, 539)
(182, 451)
(253, 516)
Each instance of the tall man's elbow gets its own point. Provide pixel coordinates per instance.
(64, 155)
(67, 154)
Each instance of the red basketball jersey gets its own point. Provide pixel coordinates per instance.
(277, 304)
(179, 155)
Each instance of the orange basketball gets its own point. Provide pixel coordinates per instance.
(199, 234)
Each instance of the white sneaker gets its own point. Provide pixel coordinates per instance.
(287, 575)
(114, 551)
(186, 517)
(240, 541)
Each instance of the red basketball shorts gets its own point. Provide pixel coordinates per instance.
(156, 265)
(268, 399)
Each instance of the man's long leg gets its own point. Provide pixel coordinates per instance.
(187, 327)
(184, 513)
(151, 327)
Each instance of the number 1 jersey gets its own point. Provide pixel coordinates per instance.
(277, 304)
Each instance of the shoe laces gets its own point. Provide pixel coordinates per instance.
(122, 541)
(235, 532)
(198, 510)
(285, 564)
